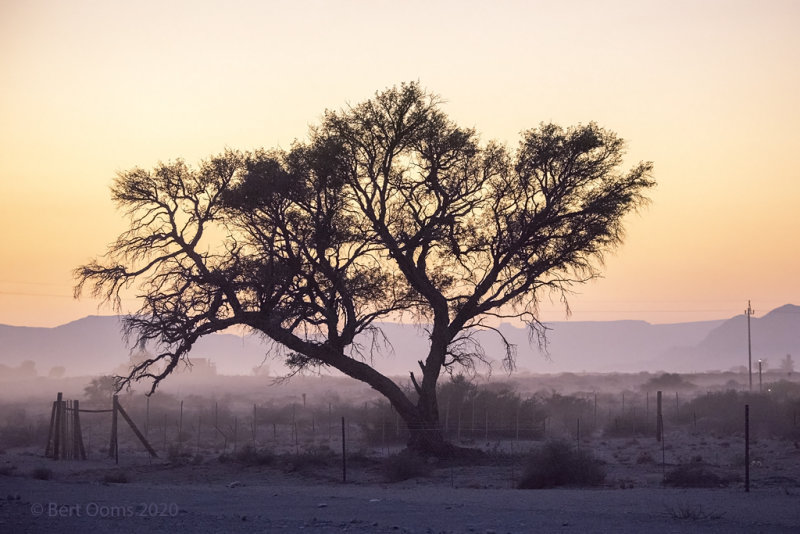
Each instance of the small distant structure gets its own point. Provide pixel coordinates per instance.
(787, 365)
(201, 367)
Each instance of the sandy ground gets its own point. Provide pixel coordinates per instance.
(229, 497)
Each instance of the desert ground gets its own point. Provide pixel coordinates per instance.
(155, 495)
(223, 467)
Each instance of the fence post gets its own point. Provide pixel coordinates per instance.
(80, 451)
(472, 430)
(747, 448)
(659, 419)
(51, 435)
(112, 445)
(446, 418)
(344, 454)
(663, 449)
(458, 430)
(62, 408)
(235, 430)
(114, 429)
(66, 437)
(135, 429)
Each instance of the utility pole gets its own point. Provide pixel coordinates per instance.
(760, 387)
(749, 311)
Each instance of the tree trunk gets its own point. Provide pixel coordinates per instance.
(428, 440)
(425, 433)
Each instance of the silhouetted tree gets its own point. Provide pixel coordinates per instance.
(388, 209)
(787, 365)
(100, 390)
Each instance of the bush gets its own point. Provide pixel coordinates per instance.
(667, 381)
(557, 463)
(692, 512)
(312, 458)
(645, 458)
(7, 470)
(116, 477)
(251, 456)
(403, 466)
(693, 475)
(42, 473)
(177, 455)
(628, 425)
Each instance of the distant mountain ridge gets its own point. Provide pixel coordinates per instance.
(94, 345)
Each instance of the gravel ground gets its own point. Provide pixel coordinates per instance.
(228, 497)
(51, 506)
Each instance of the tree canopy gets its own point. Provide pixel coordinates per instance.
(388, 209)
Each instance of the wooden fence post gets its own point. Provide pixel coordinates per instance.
(135, 429)
(59, 444)
(747, 448)
(254, 426)
(659, 419)
(114, 429)
(344, 454)
(112, 444)
(80, 451)
(51, 435)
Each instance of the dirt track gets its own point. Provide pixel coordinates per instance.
(199, 499)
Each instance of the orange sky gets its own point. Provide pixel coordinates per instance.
(708, 90)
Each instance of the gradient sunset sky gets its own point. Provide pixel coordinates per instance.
(707, 90)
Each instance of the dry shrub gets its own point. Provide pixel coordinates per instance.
(310, 459)
(403, 466)
(7, 470)
(252, 456)
(246, 456)
(177, 455)
(691, 512)
(558, 463)
(116, 477)
(42, 473)
(693, 475)
(645, 458)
